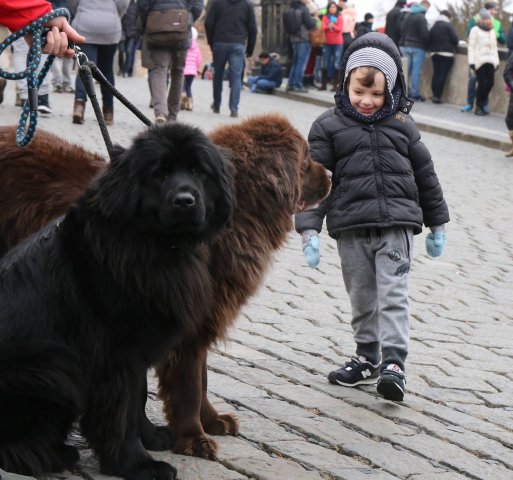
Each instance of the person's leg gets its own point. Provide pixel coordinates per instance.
(407, 53)
(417, 62)
(220, 53)
(293, 66)
(130, 53)
(489, 81)
(303, 53)
(509, 123)
(91, 51)
(236, 67)
(481, 89)
(121, 58)
(175, 91)
(436, 88)
(57, 74)
(159, 60)
(356, 251)
(471, 87)
(266, 86)
(67, 79)
(446, 65)
(187, 84)
(327, 59)
(393, 264)
(105, 63)
(339, 49)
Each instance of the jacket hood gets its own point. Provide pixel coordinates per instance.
(417, 8)
(385, 43)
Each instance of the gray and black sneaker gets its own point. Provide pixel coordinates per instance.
(355, 372)
(392, 382)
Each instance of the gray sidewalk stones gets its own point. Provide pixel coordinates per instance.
(457, 418)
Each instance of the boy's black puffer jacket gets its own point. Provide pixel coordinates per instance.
(383, 175)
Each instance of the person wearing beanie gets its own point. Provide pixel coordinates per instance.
(490, 8)
(384, 190)
(483, 58)
(366, 26)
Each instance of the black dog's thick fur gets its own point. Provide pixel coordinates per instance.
(88, 304)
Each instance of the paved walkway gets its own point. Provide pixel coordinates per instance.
(457, 418)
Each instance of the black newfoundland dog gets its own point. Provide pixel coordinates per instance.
(94, 299)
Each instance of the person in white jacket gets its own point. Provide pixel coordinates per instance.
(483, 58)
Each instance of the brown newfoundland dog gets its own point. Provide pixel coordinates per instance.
(274, 178)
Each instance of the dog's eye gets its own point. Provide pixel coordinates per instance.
(195, 172)
(163, 176)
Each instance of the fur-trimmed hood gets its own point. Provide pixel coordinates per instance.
(385, 43)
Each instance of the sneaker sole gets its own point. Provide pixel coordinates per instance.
(391, 391)
(367, 381)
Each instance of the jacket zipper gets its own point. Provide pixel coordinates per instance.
(379, 174)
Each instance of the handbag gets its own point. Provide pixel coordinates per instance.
(317, 37)
(167, 28)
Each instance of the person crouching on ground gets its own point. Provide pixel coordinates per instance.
(270, 75)
(384, 189)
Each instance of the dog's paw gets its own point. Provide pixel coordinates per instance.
(199, 446)
(151, 470)
(158, 439)
(225, 424)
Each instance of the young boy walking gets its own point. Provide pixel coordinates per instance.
(384, 189)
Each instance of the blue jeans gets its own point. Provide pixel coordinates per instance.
(300, 54)
(262, 84)
(415, 58)
(332, 54)
(233, 53)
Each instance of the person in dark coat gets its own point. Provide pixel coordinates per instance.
(443, 41)
(231, 31)
(366, 26)
(414, 43)
(393, 21)
(270, 76)
(508, 79)
(384, 190)
(127, 44)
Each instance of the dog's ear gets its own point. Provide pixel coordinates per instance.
(223, 170)
(117, 190)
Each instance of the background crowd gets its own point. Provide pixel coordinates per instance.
(317, 38)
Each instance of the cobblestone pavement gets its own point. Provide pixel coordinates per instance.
(457, 418)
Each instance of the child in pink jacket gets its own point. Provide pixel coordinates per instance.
(192, 67)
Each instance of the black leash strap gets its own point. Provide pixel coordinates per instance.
(87, 71)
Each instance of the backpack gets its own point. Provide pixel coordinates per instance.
(291, 20)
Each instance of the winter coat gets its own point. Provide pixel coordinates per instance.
(443, 36)
(193, 59)
(16, 14)
(497, 26)
(128, 21)
(195, 7)
(362, 28)
(308, 23)
(231, 21)
(393, 24)
(482, 47)
(272, 71)
(98, 20)
(508, 74)
(414, 29)
(383, 175)
(333, 35)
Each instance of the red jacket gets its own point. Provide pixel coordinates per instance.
(15, 14)
(333, 35)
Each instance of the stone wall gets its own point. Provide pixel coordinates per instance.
(455, 90)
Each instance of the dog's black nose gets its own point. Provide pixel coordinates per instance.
(183, 200)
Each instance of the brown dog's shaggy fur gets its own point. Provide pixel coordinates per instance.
(274, 178)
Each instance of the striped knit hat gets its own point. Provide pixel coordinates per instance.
(373, 57)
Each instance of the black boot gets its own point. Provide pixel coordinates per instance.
(324, 79)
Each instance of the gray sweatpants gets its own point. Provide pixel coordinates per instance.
(375, 266)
